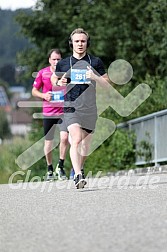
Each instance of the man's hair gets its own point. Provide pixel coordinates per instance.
(79, 31)
(56, 50)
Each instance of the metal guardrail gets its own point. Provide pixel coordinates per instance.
(155, 125)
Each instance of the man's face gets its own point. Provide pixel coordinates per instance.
(79, 41)
(54, 58)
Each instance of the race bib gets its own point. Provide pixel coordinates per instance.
(78, 76)
(57, 96)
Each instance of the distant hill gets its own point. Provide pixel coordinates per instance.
(11, 41)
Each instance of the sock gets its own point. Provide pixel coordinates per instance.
(61, 163)
(50, 167)
(82, 172)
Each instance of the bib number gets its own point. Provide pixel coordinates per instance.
(57, 96)
(78, 76)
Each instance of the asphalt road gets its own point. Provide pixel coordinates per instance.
(110, 214)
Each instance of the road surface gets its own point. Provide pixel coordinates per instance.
(111, 214)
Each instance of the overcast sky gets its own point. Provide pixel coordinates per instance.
(16, 4)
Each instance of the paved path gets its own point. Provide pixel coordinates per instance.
(111, 214)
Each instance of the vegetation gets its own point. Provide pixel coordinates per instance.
(4, 126)
(117, 151)
(10, 151)
(11, 42)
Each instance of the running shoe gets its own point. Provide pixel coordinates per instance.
(80, 182)
(72, 174)
(50, 176)
(60, 173)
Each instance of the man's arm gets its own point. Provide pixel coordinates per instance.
(102, 80)
(37, 93)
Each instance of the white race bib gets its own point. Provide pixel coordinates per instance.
(78, 76)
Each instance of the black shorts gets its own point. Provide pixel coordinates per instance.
(50, 125)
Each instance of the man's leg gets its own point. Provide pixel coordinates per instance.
(63, 144)
(48, 155)
(75, 132)
(49, 129)
(48, 151)
(85, 146)
(62, 154)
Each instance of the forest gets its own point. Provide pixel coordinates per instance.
(11, 43)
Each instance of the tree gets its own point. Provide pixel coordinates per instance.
(10, 39)
(7, 73)
(118, 29)
(4, 126)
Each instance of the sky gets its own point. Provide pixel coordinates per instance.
(16, 4)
